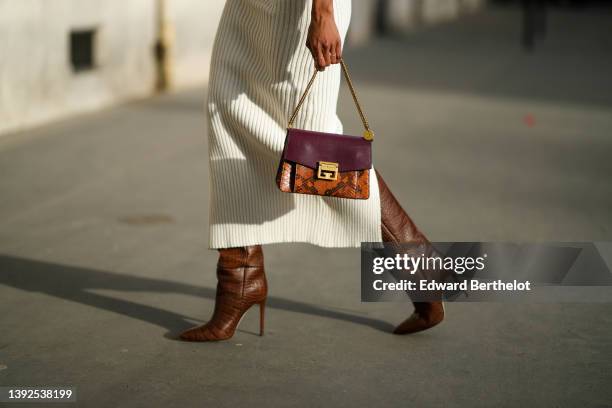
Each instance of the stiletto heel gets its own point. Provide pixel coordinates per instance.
(262, 313)
(241, 285)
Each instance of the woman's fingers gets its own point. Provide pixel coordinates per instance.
(333, 55)
(325, 56)
(313, 53)
(322, 62)
(316, 56)
(338, 51)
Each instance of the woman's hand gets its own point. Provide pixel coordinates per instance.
(324, 40)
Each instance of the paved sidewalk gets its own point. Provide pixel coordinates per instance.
(103, 239)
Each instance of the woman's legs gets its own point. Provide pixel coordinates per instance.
(397, 227)
(242, 281)
(241, 284)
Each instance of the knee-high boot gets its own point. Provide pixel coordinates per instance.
(241, 284)
(398, 227)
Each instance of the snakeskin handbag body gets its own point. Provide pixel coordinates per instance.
(326, 164)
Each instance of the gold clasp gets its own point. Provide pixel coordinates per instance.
(327, 170)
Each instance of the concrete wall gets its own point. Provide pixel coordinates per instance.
(37, 83)
(36, 79)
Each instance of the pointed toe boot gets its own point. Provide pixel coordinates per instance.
(397, 227)
(241, 285)
(425, 316)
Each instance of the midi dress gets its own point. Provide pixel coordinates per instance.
(260, 67)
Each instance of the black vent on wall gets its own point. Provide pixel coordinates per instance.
(82, 44)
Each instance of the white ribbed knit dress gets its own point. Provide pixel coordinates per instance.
(260, 67)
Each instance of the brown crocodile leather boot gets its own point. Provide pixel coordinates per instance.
(241, 284)
(397, 227)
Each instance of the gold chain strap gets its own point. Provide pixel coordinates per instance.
(368, 133)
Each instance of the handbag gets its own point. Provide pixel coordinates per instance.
(326, 164)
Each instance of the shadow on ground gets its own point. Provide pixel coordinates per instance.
(76, 284)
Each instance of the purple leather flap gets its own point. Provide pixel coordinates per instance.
(307, 148)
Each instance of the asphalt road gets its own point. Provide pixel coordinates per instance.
(104, 259)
